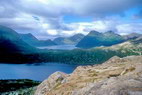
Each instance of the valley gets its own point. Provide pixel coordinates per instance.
(70, 47)
(26, 57)
(22, 52)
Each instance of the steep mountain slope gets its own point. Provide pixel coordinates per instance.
(95, 55)
(76, 38)
(95, 38)
(117, 76)
(137, 40)
(46, 43)
(30, 39)
(73, 40)
(132, 36)
(129, 47)
(10, 42)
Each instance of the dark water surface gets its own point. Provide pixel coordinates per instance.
(34, 72)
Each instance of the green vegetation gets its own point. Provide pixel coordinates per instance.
(20, 86)
(26, 91)
(14, 50)
(69, 40)
(81, 56)
(77, 56)
(10, 42)
(95, 38)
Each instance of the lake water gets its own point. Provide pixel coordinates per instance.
(34, 72)
(60, 47)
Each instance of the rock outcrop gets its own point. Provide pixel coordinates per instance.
(117, 76)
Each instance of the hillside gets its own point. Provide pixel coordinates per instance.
(73, 40)
(117, 76)
(10, 42)
(131, 46)
(14, 50)
(95, 38)
(132, 36)
(32, 40)
(94, 55)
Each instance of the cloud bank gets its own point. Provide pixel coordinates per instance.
(45, 18)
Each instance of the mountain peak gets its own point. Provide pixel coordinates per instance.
(73, 40)
(94, 33)
(95, 38)
(29, 37)
(7, 30)
(11, 42)
(30, 34)
(8, 33)
(32, 40)
(132, 36)
(110, 32)
(79, 34)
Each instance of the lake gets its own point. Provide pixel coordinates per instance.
(60, 47)
(34, 72)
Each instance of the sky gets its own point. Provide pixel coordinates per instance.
(53, 18)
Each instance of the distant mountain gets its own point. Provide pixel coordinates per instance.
(32, 40)
(95, 38)
(76, 38)
(46, 43)
(10, 42)
(129, 47)
(132, 36)
(29, 38)
(96, 55)
(137, 40)
(73, 40)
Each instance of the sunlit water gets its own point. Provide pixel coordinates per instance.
(60, 47)
(34, 72)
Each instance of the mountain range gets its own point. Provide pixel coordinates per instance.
(11, 42)
(32, 40)
(73, 40)
(95, 38)
(109, 38)
(132, 36)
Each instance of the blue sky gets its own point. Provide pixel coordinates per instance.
(127, 16)
(73, 18)
(51, 18)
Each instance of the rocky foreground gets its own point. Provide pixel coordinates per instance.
(117, 76)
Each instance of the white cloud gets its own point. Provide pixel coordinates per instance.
(83, 7)
(18, 14)
(129, 28)
(52, 32)
(103, 26)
